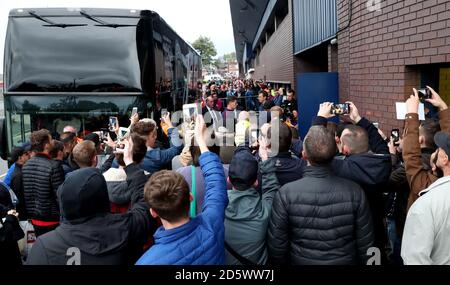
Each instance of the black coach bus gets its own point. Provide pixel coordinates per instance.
(79, 66)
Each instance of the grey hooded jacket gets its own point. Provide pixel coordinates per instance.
(247, 217)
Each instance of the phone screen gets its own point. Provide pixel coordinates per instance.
(135, 110)
(104, 134)
(341, 109)
(395, 134)
(163, 112)
(190, 112)
(123, 132)
(112, 123)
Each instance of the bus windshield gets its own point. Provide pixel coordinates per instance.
(72, 54)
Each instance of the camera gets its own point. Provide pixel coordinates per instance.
(424, 93)
(340, 109)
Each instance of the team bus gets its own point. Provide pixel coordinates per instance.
(80, 66)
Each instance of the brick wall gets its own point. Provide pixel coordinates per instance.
(377, 50)
(332, 58)
(276, 62)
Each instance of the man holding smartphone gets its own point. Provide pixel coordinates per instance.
(419, 143)
(366, 161)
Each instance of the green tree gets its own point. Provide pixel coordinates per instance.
(229, 57)
(219, 62)
(206, 48)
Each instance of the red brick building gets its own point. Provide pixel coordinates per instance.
(379, 54)
(383, 54)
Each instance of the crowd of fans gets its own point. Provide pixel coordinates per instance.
(268, 197)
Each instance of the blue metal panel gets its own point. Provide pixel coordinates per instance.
(315, 21)
(312, 90)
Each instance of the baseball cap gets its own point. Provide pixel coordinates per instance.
(442, 140)
(93, 137)
(18, 151)
(68, 138)
(243, 170)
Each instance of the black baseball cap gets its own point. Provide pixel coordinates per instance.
(18, 151)
(94, 138)
(243, 170)
(442, 140)
(70, 137)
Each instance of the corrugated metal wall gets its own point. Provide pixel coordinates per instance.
(276, 62)
(315, 21)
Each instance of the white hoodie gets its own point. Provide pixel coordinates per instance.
(426, 238)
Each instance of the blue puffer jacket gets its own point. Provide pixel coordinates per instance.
(201, 241)
(9, 174)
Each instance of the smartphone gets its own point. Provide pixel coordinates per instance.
(190, 112)
(123, 132)
(395, 135)
(424, 93)
(112, 123)
(105, 133)
(340, 109)
(134, 111)
(254, 135)
(163, 112)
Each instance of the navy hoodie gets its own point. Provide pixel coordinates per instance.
(87, 226)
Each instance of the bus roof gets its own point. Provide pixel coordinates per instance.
(100, 12)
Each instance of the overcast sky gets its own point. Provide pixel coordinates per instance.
(189, 18)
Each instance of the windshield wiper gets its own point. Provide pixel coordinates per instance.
(53, 24)
(103, 23)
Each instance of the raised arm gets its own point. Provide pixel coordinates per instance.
(412, 155)
(216, 198)
(376, 142)
(323, 114)
(267, 168)
(141, 224)
(176, 144)
(444, 112)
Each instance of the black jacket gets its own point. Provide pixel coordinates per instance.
(398, 189)
(10, 231)
(371, 171)
(69, 165)
(41, 179)
(101, 237)
(288, 168)
(320, 219)
(5, 200)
